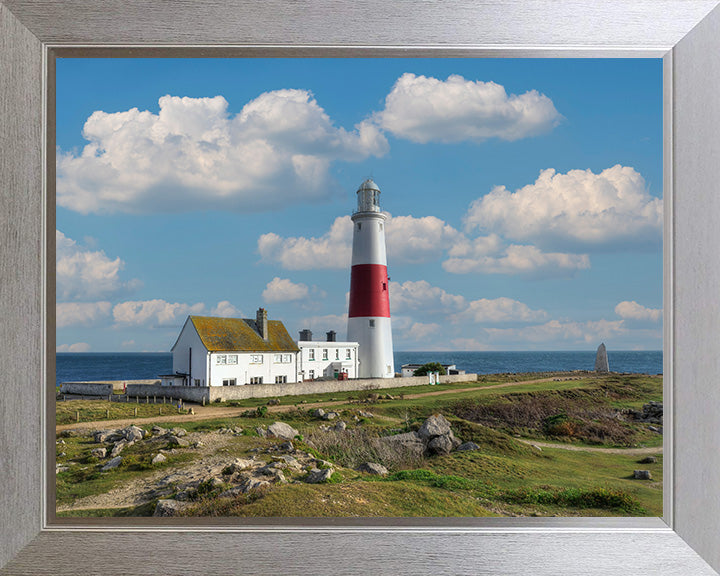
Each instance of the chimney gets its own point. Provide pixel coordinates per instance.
(331, 336)
(305, 335)
(262, 323)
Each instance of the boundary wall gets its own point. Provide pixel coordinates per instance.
(222, 393)
(100, 387)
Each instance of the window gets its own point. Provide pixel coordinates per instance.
(312, 374)
(372, 323)
(337, 353)
(280, 379)
(256, 358)
(221, 359)
(197, 381)
(282, 358)
(347, 354)
(232, 359)
(256, 380)
(325, 354)
(359, 225)
(311, 354)
(230, 382)
(287, 358)
(277, 358)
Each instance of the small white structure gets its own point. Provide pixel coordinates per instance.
(328, 359)
(232, 352)
(369, 306)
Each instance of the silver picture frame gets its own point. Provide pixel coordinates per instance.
(685, 33)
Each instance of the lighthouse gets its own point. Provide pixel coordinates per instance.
(369, 310)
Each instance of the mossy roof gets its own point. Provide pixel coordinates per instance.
(241, 334)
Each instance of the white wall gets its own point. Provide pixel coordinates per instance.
(245, 369)
(189, 338)
(322, 367)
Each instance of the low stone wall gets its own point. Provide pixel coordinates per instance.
(100, 387)
(222, 393)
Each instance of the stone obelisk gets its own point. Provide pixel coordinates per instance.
(601, 360)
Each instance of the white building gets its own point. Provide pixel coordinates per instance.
(369, 305)
(328, 359)
(232, 352)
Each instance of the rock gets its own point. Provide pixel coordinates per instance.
(239, 464)
(252, 483)
(340, 426)
(273, 402)
(468, 446)
(410, 440)
(260, 431)
(114, 463)
(538, 448)
(101, 436)
(281, 430)
(99, 452)
(62, 442)
(170, 507)
(119, 447)
(366, 414)
(237, 430)
(159, 459)
(330, 415)
(286, 447)
(158, 430)
(316, 476)
(175, 441)
(290, 462)
(133, 433)
(436, 425)
(373, 468)
(642, 475)
(317, 413)
(59, 469)
(440, 445)
(601, 359)
(179, 432)
(648, 460)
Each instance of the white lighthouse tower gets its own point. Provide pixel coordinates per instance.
(369, 310)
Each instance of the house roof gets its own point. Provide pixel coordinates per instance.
(241, 334)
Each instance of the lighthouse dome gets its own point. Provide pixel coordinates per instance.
(368, 197)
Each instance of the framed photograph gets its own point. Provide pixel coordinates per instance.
(683, 34)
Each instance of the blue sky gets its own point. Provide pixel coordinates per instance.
(525, 197)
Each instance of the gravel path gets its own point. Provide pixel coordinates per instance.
(574, 448)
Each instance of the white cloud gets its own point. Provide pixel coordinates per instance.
(612, 208)
(424, 297)
(77, 347)
(86, 313)
(154, 312)
(520, 259)
(86, 274)
(469, 345)
(331, 250)
(284, 290)
(634, 311)
(500, 310)
(128, 344)
(421, 331)
(425, 109)
(225, 309)
(194, 154)
(408, 239)
(554, 331)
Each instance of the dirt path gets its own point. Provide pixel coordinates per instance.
(210, 412)
(573, 448)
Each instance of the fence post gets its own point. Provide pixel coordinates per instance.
(107, 413)
(77, 415)
(203, 400)
(137, 399)
(160, 411)
(163, 399)
(154, 399)
(147, 399)
(136, 411)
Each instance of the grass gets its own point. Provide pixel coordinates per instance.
(97, 410)
(505, 477)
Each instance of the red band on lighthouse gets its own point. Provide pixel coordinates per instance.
(369, 291)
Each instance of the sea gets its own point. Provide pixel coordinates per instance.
(78, 367)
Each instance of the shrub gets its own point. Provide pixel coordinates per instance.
(430, 367)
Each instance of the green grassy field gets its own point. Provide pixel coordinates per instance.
(506, 477)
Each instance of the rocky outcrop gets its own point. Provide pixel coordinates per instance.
(372, 468)
(316, 476)
(170, 507)
(601, 360)
(651, 412)
(114, 463)
(434, 437)
(467, 446)
(281, 430)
